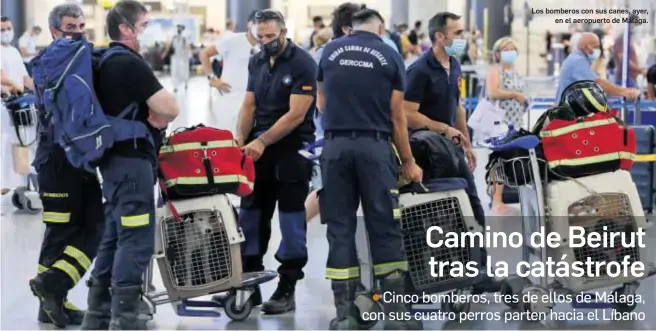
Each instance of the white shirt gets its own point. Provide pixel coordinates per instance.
(11, 63)
(27, 42)
(236, 51)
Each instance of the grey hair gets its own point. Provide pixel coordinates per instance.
(61, 11)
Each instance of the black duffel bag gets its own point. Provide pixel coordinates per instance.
(437, 155)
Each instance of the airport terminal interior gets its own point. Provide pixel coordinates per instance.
(21, 232)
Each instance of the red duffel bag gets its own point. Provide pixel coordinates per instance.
(200, 161)
(588, 145)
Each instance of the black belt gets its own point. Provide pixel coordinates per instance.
(378, 135)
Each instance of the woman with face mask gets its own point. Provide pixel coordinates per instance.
(504, 86)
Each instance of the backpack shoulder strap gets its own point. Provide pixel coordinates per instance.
(111, 52)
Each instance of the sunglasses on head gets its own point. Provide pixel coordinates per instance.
(268, 14)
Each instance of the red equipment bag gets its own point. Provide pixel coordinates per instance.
(588, 145)
(200, 161)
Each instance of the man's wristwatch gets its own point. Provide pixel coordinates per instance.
(212, 76)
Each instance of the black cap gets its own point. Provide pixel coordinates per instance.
(251, 16)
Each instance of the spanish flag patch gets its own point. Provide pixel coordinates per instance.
(306, 87)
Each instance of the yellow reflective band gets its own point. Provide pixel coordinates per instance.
(397, 213)
(41, 269)
(343, 274)
(203, 180)
(592, 100)
(592, 159)
(68, 269)
(394, 191)
(135, 221)
(645, 158)
(197, 146)
(70, 306)
(55, 217)
(575, 127)
(390, 267)
(79, 256)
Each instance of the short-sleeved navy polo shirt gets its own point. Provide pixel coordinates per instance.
(293, 72)
(436, 90)
(359, 73)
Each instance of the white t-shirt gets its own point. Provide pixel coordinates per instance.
(27, 42)
(236, 51)
(11, 63)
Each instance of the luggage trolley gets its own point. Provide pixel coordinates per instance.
(597, 203)
(198, 253)
(440, 202)
(25, 122)
(444, 203)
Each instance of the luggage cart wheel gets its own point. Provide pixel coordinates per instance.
(512, 287)
(366, 304)
(620, 302)
(455, 307)
(22, 201)
(534, 291)
(233, 311)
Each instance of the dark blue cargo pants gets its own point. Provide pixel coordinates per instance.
(129, 238)
(361, 167)
(281, 176)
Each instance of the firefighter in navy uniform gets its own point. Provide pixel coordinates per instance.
(72, 207)
(361, 80)
(128, 173)
(275, 122)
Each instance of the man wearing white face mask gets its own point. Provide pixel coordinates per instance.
(128, 172)
(235, 51)
(578, 67)
(11, 62)
(432, 100)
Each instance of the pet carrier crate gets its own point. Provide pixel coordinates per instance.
(607, 200)
(200, 253)
(197, 254)
(443, 203)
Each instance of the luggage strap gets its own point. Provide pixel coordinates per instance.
(165, 196)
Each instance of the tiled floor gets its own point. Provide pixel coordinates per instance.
(21, 235)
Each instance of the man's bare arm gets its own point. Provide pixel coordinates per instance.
(321, 100)
(299, 105)
(400, 127)
(246, 117)
(461, 121)
(205, 57)
(417, 120)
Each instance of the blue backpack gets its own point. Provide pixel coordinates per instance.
(63, 76)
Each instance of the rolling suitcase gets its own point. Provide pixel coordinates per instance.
(643, 173)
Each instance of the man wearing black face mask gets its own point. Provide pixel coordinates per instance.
(274, 123)
(70, 193)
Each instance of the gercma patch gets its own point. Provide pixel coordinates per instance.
(287, 80)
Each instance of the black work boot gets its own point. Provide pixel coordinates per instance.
(396, 283)
(99, 303)
(126, 302)
(282, 300)
(51, 289)
(344, 293)
(256, 297)
(74, 314)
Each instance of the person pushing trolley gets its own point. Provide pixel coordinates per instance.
(359, 163)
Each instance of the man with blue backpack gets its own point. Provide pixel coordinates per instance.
(108, 109)
(72, 205)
